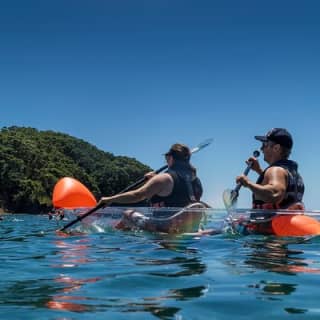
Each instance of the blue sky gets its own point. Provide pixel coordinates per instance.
(133, 77)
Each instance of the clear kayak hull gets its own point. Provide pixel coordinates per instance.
(199, 219)
(163, 220)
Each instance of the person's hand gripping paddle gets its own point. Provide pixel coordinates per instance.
(230, 196)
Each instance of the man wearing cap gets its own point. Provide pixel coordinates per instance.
(279, 186)
(177, 187)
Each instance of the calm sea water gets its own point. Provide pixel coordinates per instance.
(117, 275)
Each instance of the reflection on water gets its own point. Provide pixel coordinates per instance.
(189, 266)
(26, 292)
(188, 293)
(275, 254)
(71, 256)
(63, 300)
(152, 304)
(296, 310)
(117, 275)
(73, 253)
(274, 289)
(283, 256)
(278, 288)
(281, 271)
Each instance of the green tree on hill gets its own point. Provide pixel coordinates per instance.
(32, 161)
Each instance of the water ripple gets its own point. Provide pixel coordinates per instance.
(46, 275)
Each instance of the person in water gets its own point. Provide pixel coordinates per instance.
(178, 187)
(280, 185)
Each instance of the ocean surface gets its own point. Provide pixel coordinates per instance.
(110, 274)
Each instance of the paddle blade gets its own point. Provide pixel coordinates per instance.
(295, 225)
(69, 193)
(229, 199)
(202, 145)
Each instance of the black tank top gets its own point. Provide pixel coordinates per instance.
(187, 187)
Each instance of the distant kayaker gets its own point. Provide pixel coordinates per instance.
(179, 187)
(279, 186)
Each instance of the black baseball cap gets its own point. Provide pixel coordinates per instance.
(277, 135)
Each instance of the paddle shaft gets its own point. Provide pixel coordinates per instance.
(235, 191)
(141, 180)
(81, 217)
(245, 173)
(132, 186)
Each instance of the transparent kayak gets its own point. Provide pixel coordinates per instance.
(197, 220)
(165, 220)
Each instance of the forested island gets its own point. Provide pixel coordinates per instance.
(32, 161)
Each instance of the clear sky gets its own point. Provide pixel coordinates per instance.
(132, 77)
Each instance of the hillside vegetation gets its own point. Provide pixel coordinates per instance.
(32, 161)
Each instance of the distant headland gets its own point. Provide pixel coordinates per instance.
(32, 161)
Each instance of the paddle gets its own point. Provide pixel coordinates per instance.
(132, 186)
(230, 196)
(143, 179)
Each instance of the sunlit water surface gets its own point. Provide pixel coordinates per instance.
(116, 275)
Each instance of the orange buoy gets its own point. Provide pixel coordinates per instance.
(70, 193)
(295, 225)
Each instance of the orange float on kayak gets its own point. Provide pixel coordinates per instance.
(70, 193)
(295, 225)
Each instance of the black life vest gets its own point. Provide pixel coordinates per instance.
(295, 187)
(187, 187)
